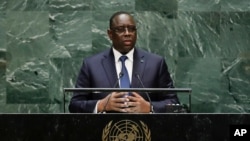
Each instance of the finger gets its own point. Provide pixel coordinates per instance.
(120, 100)
(132, 104)
(132, 98)
(117, 106)
(122, 105)
(131, 110)
(135, 94)
(120, 94)
(123, 110)
(115, 94)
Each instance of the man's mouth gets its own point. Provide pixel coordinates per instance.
(127, 42)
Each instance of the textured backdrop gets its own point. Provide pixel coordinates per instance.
(206, 44)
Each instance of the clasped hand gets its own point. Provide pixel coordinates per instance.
(121, 102)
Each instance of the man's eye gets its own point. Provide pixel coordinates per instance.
(131, 28)
(122, 29)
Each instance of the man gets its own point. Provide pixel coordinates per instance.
(107, 70)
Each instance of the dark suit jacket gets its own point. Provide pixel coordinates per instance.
(99, 71)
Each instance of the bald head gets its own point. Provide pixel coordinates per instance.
(112, 18)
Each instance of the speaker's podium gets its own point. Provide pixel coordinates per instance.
(128, 127)
(123, 127)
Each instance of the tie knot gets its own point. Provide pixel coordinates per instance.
(123, 58)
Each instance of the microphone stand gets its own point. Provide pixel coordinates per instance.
(149, 99)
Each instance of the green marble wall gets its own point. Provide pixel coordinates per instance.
(206, 44)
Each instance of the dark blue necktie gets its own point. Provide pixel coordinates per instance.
(124, 81)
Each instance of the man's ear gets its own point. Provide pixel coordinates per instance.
(109, 32)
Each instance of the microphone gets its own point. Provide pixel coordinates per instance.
(115, 85)
(149, 100)
(118, 79)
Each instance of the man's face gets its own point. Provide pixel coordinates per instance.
(123, 33)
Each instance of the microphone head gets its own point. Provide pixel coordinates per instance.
(138, 76)
(121, 74)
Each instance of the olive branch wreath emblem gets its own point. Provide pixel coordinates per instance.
(145, 128)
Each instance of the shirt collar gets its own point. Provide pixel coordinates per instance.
(117, 54)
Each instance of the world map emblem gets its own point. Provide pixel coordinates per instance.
(126, 130)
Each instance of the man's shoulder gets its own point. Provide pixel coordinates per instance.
(98, 56)
(149, 54)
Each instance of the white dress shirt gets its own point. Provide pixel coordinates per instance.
(128, 62)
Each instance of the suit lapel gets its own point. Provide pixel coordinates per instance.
(138, 68)
(109, 67)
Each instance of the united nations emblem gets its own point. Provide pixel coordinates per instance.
(126, 130)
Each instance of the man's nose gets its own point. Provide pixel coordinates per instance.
(127, 31)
